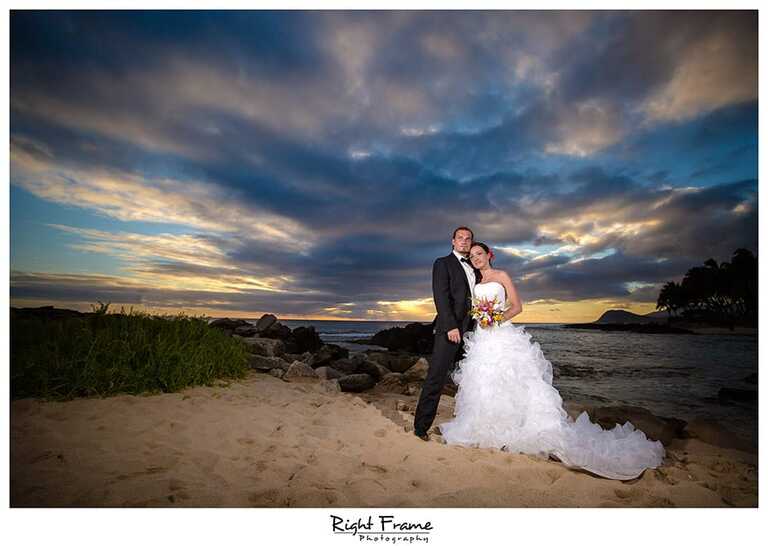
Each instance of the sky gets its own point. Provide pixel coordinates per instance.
(314, 164)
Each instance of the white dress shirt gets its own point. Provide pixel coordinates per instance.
(470, 272)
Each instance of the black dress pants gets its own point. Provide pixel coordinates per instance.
(444, 358)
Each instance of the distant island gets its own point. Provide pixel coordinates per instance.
(626, 321)
(710, 299)
(619, 320)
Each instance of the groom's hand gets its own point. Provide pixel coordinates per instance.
(454, 335)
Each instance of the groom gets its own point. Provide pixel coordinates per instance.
(453, 282)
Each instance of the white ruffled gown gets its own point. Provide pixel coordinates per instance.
(505, 399)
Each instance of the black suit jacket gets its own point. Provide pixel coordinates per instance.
(452, 295)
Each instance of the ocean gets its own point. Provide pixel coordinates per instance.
(672, 375)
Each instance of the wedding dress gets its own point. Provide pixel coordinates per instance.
(505, 399)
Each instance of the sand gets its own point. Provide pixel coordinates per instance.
(264, 442)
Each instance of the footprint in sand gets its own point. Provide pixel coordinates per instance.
(553, 475)
(627, 494)
(663, 476)
(277, 432)
(374, 467)
(381, 433)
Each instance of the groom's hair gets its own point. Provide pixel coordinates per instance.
(464, 228)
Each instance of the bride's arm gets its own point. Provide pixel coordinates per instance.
(515, 305)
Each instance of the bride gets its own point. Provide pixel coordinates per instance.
(505, 397)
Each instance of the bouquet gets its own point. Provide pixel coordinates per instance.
(487, 312)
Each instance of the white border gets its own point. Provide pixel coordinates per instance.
(529, 526)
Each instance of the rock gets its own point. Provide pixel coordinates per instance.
(403, 406)
(417, 372)
(246, 331)
(299, 371)
(277, 331)
(654, 427)
(228, 325)
(46, 312)
(346, 366)
(277, 372)
(305, 357)
(356, 382)
(331, 386)
(377, 371)
(265, 322)
(412, 389)
(264, 346)
(712, 432)
(383, 370)
(751, 379)
(726, 394)
(306, 339)
(677, 425)
(391, 382)
(265, 363)
(327, 354)
(325, 372)
(414, 338)
(394, 362)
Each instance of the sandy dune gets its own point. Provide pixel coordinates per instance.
(264, 442)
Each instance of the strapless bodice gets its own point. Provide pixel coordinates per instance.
(491, 289)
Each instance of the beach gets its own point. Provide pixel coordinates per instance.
(267, 442)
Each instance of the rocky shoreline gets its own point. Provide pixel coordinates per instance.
(399, 368)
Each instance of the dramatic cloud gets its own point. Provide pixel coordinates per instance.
(315, 163)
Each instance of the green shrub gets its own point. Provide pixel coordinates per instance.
(106, 354)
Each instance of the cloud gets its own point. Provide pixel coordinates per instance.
(129, 197)
(317, 162)
(718, 69)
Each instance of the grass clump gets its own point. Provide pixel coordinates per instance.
(103, 354)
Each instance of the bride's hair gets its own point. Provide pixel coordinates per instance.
(488, 251)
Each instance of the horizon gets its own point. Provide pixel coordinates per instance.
(279, 318)
(315, 163)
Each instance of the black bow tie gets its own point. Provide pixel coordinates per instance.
(465, 260)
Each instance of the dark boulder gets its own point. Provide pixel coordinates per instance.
(305, 339)
(417, 372)
(413, 338)
(345, 365)
(393, 361)
(277, 331)
(246, 331)
(327, 354)
(357, 382)
(391, 382)
(265, 322)
(377, 371)
(229, 325)
(326, 372)
(264, 346)
(265, 363)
